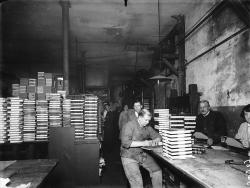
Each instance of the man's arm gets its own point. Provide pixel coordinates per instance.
(155, 136)
(198, 127)
(220, 128)
(127, 135)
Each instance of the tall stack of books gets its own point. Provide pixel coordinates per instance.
(29, 127)
(15, 90)
(161, 117)
(42, 119)
(146, 104)
(100, 123)
(77, 116)
(176, 122)
(177, 143)
(3, 121)
(31, 89)
(40, 86)
(55, 110)
(190, 123)
(15, 119)
(24, 82)
(91, 117)
(66, 112)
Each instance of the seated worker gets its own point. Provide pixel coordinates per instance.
(244, 131)
(210, 123)
(134, 135)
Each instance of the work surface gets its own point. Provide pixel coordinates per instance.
(209, 169)
(26, 171)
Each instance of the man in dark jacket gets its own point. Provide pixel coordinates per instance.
(210, 123)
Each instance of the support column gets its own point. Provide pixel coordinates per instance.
(1, 51)
(181, 49)
(65, 33)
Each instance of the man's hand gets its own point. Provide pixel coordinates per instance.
(210, 141)
(147, 143)
(156, 141)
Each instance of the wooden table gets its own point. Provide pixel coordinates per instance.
(209, 169)
(27, 171)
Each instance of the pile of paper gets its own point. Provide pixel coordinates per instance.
(29, 127)
(3, 121)
(177, 143)
(42, 119)
(15, 119)
(91, 116)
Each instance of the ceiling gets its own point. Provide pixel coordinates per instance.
(103, 32)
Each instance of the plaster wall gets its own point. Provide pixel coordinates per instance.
(222, 75)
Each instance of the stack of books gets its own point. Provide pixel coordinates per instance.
(176, 122)
(77, 117)
(29, 127)
(15, 119)
(161, 117)
(91, 116)
(146, 104)
(66, 112)
(55, 110)
(190, 123)
(100, 122)
(15, 90)
(42, 119)
(3, 121)
(177, 143)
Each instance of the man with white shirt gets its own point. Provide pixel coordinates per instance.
(133, 113)
(210, 123)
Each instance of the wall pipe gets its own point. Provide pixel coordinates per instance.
(215, 46)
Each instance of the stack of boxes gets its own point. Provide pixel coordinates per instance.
(146, 104)
(15, 119)
(42, 119)
(55, 110)
(77, 117)
(177, 143)
(66, 112)
(161, 116)
(15, 90)
(48, 83)
(29, 127)
(91, 117)
(31, 89)
(3, 121)
(40, 86)
(24, 82)
(190, 123)
(177, 122)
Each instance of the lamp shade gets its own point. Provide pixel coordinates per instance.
(160, 77)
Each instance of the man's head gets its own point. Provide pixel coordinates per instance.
(107, 107)
(245, 113)
(204, 107)
(144, 116)
(137, 106)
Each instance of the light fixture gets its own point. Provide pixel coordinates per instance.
(159, 78)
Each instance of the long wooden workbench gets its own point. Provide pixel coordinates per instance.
(209, 169)
(31, 172)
